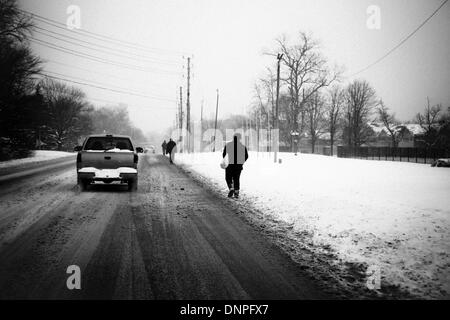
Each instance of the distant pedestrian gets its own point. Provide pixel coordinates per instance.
(164, 146)
(169, 148)
(237, 155)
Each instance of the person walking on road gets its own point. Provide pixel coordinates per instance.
(164, 146)
(237, 155)
(169, 148)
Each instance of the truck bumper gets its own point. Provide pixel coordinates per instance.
(122, 174)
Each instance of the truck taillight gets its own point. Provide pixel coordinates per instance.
(79, 157)
(136, 158)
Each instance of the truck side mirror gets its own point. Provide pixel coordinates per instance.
(139, 150)
(77, 148)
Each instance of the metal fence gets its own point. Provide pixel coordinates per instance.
(418, 155)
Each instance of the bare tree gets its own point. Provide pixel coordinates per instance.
(264, 90)
(14, 25)
(65, 106)
(360, 102)
(389, 122)
(19, 106)
(262, 110)
(429, 121)
(269, 86)
(333, 112)
(115, 119)
(306, 73)
(17, 63)
(315, 108)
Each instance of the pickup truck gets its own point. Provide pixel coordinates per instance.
(107, 158)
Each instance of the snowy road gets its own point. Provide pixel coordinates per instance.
(171, 239)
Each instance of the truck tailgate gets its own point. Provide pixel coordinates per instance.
(107, 160)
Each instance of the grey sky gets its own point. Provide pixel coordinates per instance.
(227, 38)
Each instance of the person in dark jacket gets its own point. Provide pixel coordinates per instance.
(164, 146)
(169, 148)
(237, 155)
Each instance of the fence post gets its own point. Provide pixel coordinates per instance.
(415, 151)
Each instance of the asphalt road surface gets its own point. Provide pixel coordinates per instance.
(172, 239)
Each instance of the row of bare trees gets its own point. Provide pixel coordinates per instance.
(18, 66)
(38, 112)
(67, 116)
(338, 109)
(434, 125)
(313, 101)
(305, 74)
(31, 110)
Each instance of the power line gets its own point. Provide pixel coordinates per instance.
(96, 72)
(401, 42)
(128, 54)
(115, 102)
(97, 59)
(87, 47)
(101, 84)
(102, 37)
(104, 88)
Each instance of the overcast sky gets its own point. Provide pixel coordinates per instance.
(226, 40)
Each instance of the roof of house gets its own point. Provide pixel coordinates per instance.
(414, 128)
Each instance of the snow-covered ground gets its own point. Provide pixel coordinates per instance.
(37, 156)
(394, 216)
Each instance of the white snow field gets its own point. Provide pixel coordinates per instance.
(37, 156)
(394, 216)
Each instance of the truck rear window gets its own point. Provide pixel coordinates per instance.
(108, 143)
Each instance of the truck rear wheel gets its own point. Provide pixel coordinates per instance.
(82, 184)
(133, 184)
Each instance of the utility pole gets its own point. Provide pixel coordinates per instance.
(180, 122)
(176, 120)
(201, 114)
(201, 127)
(250, 141)
(258, 128)
(215, 123)
(188, 105)
(276, 124)
(177, 116)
